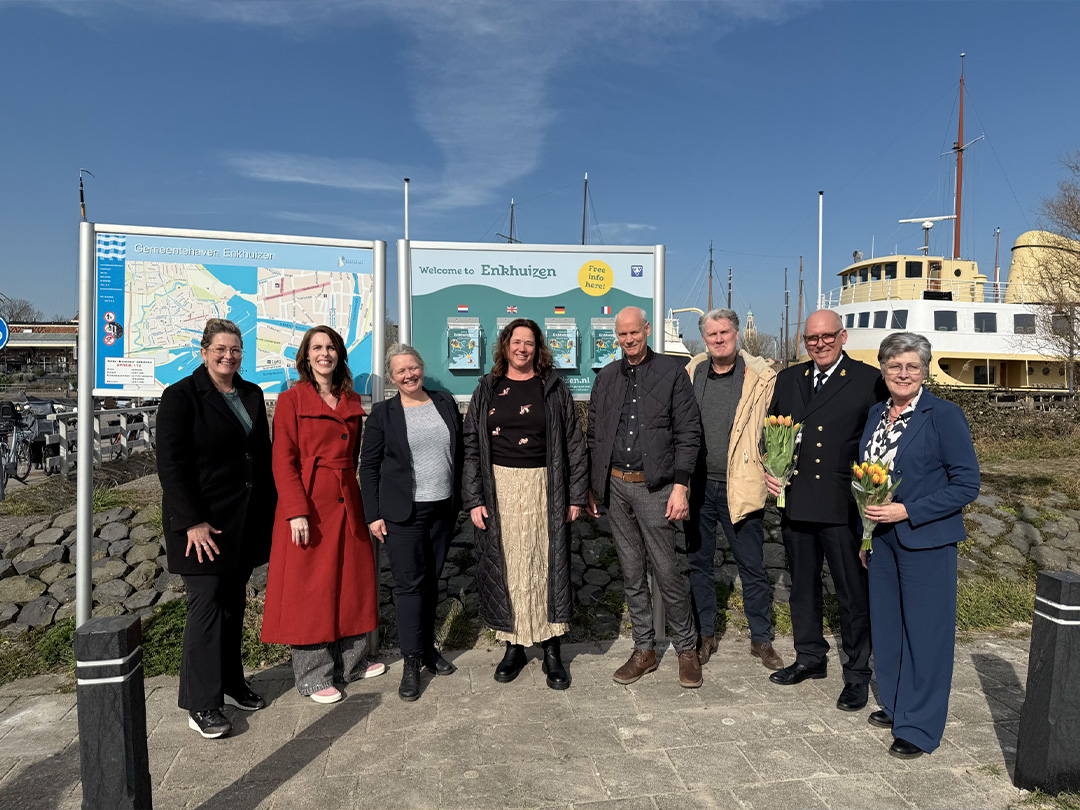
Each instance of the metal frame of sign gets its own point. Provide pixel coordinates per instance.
(405, 249)
(87, 364)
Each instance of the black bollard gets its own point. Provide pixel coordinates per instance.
(112, 714)
(1048, 746)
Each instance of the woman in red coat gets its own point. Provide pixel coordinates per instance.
(320, 595)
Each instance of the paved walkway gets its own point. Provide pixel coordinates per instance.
(738, 742)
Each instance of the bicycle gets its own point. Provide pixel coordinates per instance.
(15, 449)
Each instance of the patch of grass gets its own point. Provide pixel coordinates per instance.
(155, 520)
(464, 559)
(1047, 801)
(614, 602)
(1011, 510)
(965, 546)
(830, 615)
(991, 769)
(38, 651)
(993, 603)
(163, 639)
(459, 630)
(608, 557)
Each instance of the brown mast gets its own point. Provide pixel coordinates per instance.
(958, 147)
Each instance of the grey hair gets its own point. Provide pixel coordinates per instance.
(718, 314)
(901, 343)
(399, 349)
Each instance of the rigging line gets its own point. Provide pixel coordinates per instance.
(575, 184)
(596, 221)
(497, 223)
(1012, 191)
(890, 144)
(690, 277)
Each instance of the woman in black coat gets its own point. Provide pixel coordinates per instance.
(526, 478)
(217, 509)
(410, 480)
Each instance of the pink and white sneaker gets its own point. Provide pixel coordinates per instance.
(374, 670)
(328, 695)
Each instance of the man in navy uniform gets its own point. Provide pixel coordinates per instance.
(830, 396)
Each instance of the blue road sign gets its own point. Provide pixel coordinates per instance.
(4, 331)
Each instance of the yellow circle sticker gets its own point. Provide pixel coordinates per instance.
(595, 277)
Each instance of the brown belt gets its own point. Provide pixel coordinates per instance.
(629, 476)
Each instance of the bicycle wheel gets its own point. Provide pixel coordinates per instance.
(22, 459)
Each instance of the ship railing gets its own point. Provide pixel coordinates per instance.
(907, 289)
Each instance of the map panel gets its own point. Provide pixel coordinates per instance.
(154, 310)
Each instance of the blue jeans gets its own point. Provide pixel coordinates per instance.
(745, 539)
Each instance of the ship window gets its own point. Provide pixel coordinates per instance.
(875, 272)
(985, 321)
(935, 269)
(945, 321)
(890, 270)
(1024, 324)
(985, 375)
(844, 280)
(850, 322)
(1031, 370)
(958, 272)
(1046, 371)
(1059, 325)
(864, 273)
(899, 319)
(944, 367)
(913, 269)
(880, 319)
(864, 320)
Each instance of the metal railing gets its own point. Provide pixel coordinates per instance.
(907, 289)
(117, 434)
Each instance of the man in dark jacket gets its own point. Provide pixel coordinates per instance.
(644, 435)
(830, 396)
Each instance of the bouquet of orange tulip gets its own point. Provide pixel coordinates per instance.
(782, 436)
(871, 485)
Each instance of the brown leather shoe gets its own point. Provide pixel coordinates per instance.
(769, 657)
(689, 669)
(706, 647)
(641, 662)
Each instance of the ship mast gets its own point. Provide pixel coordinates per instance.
(710, 275)
(958, 147)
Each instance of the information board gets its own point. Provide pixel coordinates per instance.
(571, 284)
(155, 290)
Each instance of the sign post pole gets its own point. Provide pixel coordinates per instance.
(84, 473)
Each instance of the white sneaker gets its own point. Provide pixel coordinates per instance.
(374, 670)
(328, 695)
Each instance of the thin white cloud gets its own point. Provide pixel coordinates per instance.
(481, 73)
(338, 224)
(625, 233)
(353, 174)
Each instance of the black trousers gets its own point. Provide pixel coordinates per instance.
(417, 551)
(211, 664)
(808, 544)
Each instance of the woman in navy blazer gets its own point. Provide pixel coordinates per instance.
(410, 481)
(912, 568)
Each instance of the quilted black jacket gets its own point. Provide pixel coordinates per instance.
(670, 422)
(567, 483)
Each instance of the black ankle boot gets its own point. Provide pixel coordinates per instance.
(513, 662)
(410, 679)
(557, 676)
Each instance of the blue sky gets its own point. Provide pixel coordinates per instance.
(696, 121)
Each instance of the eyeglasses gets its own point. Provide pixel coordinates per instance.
(912, 369)
(221, 351)
(826, 339)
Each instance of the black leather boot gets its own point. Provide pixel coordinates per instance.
(436, 664)
(410, 679)
(513, 662)
(557, 676)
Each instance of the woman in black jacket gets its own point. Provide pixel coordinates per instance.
(217, 509)
(526, 478)
(410, 480)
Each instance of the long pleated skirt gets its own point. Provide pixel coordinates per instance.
(522, 497)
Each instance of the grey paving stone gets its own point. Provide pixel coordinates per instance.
(596, 735)
(793, 758)
(484, 787)
(704, 767)
(519, 742)
(934, 789)
(559, 784)
(657, 730)
(793, 794)
(638, 773)
(453, 747)
(399, 790)
(636, 803)
(208, 763)
(862, 751)
(373, 752)
(867, 791)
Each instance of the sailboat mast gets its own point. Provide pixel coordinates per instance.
(585, 208)
(959, 165)
(512, 239)
(710, 275)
